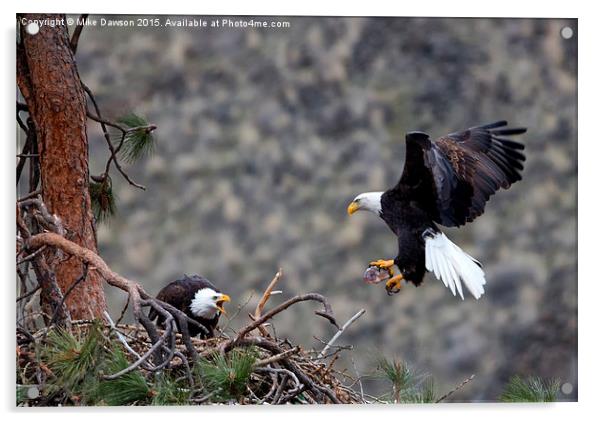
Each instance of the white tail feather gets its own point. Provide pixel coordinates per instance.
(453, 266)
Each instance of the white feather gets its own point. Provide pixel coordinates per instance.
(437, 266)
(203, 303)
(428, 263)
(453, 266)
(446, 272)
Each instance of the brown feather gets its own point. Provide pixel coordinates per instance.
(453, 177)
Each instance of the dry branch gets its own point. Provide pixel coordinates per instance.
(264, 299)
(114, 151)
(458, 387)
(77, 32)
(340, 332)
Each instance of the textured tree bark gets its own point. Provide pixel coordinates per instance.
(48, 79)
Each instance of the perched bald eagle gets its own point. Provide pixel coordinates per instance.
(444, 182)
(198, 298)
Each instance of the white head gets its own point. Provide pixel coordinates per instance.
(207, 302)
(366, 201)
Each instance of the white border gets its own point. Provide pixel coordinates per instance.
(589, 192)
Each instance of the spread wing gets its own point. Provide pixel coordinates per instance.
(453, 177)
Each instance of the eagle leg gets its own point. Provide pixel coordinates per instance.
(394, 284)
(384, 264)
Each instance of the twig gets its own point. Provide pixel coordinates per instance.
(29, 145)
(277, 357)
(125, 307)
(327, 313)
(264, 299)
(28, 294)
(341, 331)
(30, 195)
(113, 157)
(233, 316)
(119, 335)
(280, 370)
(51, 221)
(31, 256)
(186, 367)
(50, 293)
(458, 387)
(76, 34)
(145, 357)
(359, 380)
(83, 276)
(273, 388)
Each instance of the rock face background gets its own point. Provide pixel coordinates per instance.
(265, 135)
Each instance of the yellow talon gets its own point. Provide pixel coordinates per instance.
(394, 284)
(384, 264)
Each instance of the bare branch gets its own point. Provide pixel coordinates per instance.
(121, 338)
(145, 357)
(458, 387)
(277, 357)
(341, 331)
(82, 278)
(76, 34)
(327, 313)
(264, 299)
(103, 125)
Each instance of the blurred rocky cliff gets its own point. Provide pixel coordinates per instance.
(265, 135)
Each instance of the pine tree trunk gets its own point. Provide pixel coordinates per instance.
(48, 79)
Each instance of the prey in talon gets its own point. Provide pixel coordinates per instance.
(445, 182)
(378, 272)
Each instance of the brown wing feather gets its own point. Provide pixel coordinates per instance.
(457, 173)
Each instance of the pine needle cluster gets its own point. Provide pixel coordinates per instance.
(129, 388)
(227, 376)
(77, 365)
(532, 389)
(102, 198)
(407, 386)
(139, 140)
(72, 360)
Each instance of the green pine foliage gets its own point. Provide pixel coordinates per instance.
(138, 142)
(423, 392)
(79, 364)
(103, 199)
(72, 360)
(227, 376)
(532, 389)
(406, 385)
(130, 388)
(170, 391)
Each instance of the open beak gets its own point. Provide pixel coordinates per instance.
(220, 303)
(353, 207)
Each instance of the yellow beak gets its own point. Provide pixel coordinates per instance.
(220, 303)
(353, 207)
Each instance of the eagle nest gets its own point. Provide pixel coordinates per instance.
(105, 362)
(248, 368)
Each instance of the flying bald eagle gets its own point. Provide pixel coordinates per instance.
(444, 182)
(198, 298)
